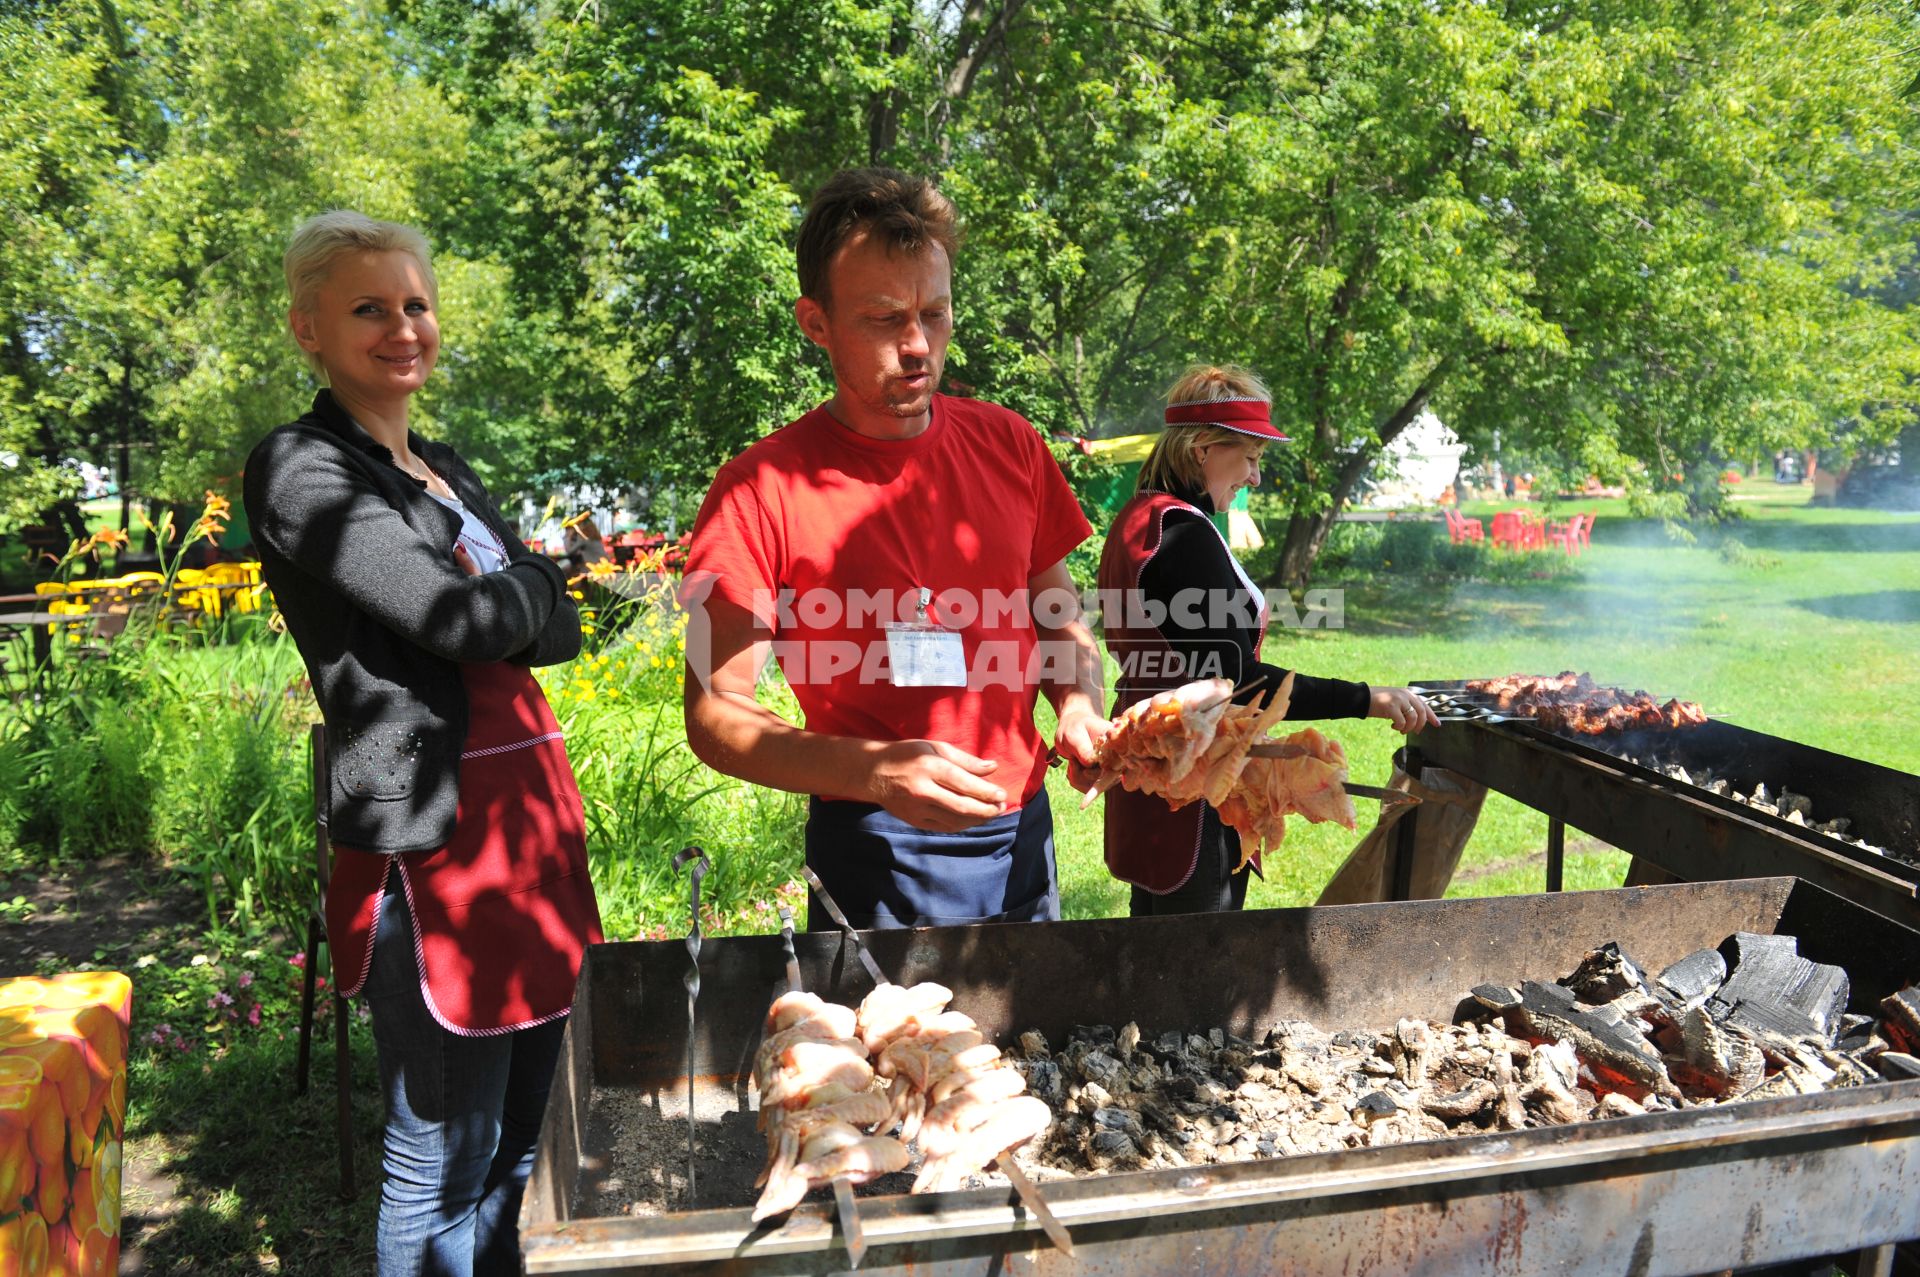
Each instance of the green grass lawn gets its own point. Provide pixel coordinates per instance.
(1811, 631)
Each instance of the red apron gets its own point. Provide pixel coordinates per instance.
(502, 914)
(1149, 843)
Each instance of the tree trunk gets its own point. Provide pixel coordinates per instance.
(1306, 537)
(1307, 533)
(883, 111)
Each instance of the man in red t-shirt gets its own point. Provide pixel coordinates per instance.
(903, 555)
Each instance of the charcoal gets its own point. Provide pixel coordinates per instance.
(1614, 1104)
(1496, 997)
(1902, 1013)
(1129, 1040)
(1043, 1079)
(1098, 1066)
(1033, 1044)
(1604, 975)
(1696, 977)
(1413, 1048)
(1115, 1145)
(1373, 1106)
(1169, 1046)
(1772, 989)
(1551, 1091)
(1714, 1061)
(1898, 1066)
(1111, 1119)
(1465, 1102)
(1616, 1054)
(1092, 1034)
(1857, 1033)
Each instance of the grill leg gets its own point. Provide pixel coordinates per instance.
(1874, 1261)
(1556, 854)
(1400, 874)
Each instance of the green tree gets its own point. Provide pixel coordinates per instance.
(157, 319)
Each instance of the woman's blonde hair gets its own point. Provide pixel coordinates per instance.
(1172, 466)
(320, 241)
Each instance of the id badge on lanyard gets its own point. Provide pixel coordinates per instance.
(922, 653)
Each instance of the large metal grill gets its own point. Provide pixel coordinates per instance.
(1676, 1193)
(1611, 787)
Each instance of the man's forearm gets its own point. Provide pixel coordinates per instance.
(1086, 683)
(734, 734)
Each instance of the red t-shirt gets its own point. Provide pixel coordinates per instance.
(825, 534)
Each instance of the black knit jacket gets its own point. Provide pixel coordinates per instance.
(360, 561)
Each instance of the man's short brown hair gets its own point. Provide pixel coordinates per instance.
(906, 212)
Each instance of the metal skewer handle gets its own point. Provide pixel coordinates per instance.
(840, 920)
(700, 866)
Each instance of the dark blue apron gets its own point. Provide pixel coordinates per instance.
(883, 872)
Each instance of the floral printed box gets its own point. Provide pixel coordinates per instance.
(63, 1105)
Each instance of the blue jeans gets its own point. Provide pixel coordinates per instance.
(463, 1114)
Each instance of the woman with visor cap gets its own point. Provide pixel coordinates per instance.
(1189, 610)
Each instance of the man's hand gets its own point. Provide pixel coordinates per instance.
(1078, 737)
(933, 786)
(1407, 712)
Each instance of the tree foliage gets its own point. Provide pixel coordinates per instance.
(1657, 231)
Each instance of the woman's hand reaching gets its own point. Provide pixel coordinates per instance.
(1406, 711)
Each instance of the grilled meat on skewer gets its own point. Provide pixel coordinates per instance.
(1574, 703)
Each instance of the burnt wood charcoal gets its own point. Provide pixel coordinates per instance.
(1898, 1066)
(1695, 978)
(1772, 989)
(1606, 974)
(1713, 1061)
(1496, 997)
(1619, 1056)
(1607, 1041)
(1902, 1014)
(1463, 1103)
(1857, 1033)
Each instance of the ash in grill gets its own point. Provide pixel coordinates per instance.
(1749, 1020)
(1794, 808)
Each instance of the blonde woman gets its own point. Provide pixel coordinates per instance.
(460, 905)
(1187, 609)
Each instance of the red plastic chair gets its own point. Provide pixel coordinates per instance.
(1586, 531)
(1508, 530)
(1460, 528)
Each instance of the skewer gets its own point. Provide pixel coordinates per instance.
(840, 920)
(786, 941)
(1387, 797)
(1024, 1188)
(851, 1230)
(700, 866)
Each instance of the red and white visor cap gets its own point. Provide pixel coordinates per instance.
(1250, 417)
